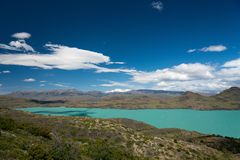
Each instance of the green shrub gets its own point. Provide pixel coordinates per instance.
(101, 150)
(38, 131)
(65, 151)
(7, 124)
(38, 152)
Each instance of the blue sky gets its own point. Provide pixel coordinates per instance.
(120, 45)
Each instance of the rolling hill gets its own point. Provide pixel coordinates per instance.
(227, 99)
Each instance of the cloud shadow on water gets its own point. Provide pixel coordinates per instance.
(66, 113)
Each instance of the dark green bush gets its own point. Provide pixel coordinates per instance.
(101, 150)
(7, 124)
(38, 131)
(65, 151)
(38, 152)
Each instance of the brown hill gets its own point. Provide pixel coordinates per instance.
(227, 99)
(232, 94)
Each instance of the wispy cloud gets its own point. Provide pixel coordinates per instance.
(158, 5)
(114, 84)
(115, 62)
(5, 72)
(42, 85)
(29, 80)
(55, 84)
(61, 85)
(113, 70)
(212, 48)
(192, 50)
(61, 57)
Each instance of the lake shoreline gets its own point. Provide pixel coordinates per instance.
(143, 134)
(140, 108)
(220, 122)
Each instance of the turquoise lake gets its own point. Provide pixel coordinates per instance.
(220, 122)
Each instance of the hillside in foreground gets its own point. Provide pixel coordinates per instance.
(227, 99)
(27, 136)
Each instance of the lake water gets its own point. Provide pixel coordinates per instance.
(221, 122)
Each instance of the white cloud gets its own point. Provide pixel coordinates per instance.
(230, 70)
(21, 45)
(113, 70)
(158, 5)
(212, 48)
(61, 57)
(209, 85)
(118, 90)
(21, 35)
(42, 85)
(7, 47)
(180, 72)
(29, 80)
(61, 85)
(229, 74)
(233, 63)
(115, 62)
(5, 72)
(191, 50)
(193, 77)
(0, 85)
(114, 84)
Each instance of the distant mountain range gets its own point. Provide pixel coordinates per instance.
(76, 93)
(227, 99)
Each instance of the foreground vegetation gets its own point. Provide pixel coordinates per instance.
(33, 137)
